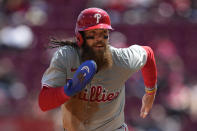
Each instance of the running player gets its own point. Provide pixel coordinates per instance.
(86, 78)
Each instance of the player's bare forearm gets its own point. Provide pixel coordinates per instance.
(147, 103)
(149, 72)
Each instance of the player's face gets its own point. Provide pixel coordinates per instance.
(95, 48)
(97, 39)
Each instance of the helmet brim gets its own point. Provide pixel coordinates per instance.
(98, 26)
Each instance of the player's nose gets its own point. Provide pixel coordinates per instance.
(98, 38)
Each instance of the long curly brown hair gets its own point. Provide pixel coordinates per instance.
(55, 43)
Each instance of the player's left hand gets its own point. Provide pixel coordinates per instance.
(147, 103)
(81, 78)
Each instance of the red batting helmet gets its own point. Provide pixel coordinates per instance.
(91, 18)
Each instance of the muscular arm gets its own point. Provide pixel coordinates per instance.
(149, 70)
(52, 93)
(50, 97)
(149, 73)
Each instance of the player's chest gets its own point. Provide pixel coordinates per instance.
(104, 87)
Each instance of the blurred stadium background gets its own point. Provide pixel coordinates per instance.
(168, 26)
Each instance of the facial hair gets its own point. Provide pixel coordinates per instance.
(103, 58)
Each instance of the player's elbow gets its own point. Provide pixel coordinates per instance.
(43, 108)
(41, 104)
(43, 101)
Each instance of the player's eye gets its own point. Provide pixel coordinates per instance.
(89, 37)
(105, 36)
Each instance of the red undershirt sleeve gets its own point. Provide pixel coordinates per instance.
(50, 97)
(149, 71)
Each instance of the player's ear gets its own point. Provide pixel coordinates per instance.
(80, 38)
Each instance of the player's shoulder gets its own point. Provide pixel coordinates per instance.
(65, 56)
(66, 51)
(118, 50)
(129, 53)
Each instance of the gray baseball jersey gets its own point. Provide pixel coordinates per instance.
(100, 106)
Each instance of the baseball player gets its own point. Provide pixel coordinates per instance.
(86, 78)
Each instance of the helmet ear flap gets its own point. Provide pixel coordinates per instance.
(79, 39)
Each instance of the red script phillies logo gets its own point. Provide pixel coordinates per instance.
(97, 94)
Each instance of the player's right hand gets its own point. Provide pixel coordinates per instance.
(81, 78)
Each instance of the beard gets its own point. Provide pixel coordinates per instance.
(103, 58)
